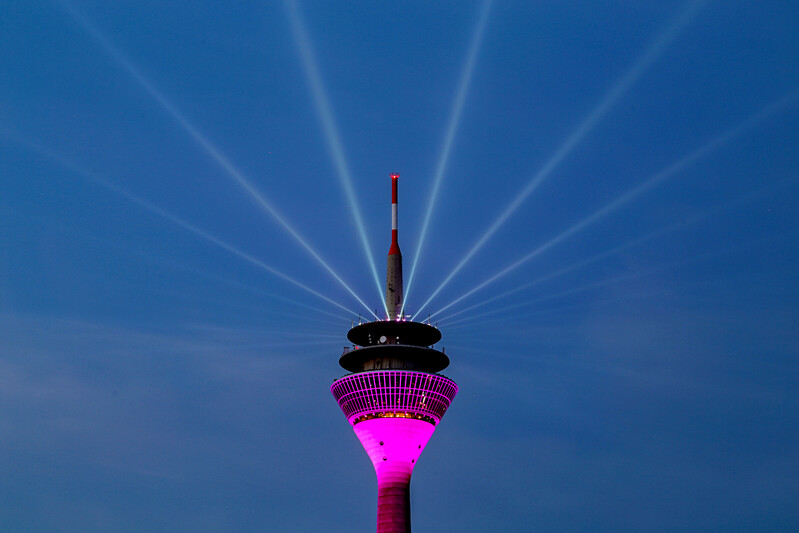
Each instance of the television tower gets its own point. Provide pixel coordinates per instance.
(394, 396)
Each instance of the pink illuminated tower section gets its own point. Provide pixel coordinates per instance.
(394, 397)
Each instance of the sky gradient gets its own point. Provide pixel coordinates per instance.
(597, 206)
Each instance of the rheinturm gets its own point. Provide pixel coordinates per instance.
(394, 396)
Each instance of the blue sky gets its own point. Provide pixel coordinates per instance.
(606, 193)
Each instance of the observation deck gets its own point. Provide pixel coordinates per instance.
(392, 331)
(394, 345)
(394, 394)
(394, 373)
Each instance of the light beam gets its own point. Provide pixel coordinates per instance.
(203, 141)
(325, 114)
(618, 279)
(619, 89)
(243, 286)
(449, 136)
(98, 180)
(643, 187)
(561, 272)
(599, 284)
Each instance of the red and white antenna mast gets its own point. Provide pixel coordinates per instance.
(394, 271)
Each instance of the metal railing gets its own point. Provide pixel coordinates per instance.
(394, 391)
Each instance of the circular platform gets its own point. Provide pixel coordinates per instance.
(394, 357)
(394, 332)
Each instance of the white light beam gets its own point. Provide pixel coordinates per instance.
(149, 206)
(619, 89)
(205, 143)
(325, 114)
(643, 187)
(449, 136)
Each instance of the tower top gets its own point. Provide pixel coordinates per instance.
(410, 333)
(394, 345)
(394, 270)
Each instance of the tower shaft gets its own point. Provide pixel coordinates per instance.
(394, 503)
(394, 445)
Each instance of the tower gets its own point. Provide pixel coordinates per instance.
(394, 396)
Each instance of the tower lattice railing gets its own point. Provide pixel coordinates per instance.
(394, 393)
